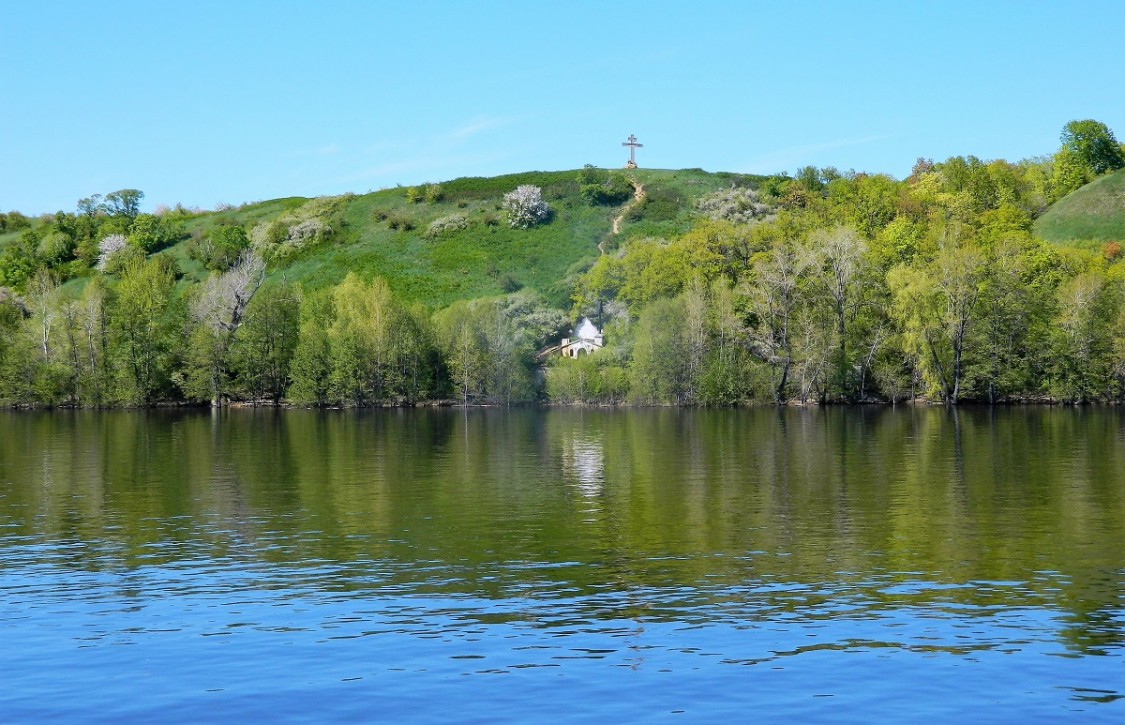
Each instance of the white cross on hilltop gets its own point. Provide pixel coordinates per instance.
(633, 146)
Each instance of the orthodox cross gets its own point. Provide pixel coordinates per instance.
(633, 146)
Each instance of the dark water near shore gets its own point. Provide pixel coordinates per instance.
(854, 565)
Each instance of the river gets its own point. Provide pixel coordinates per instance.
(852, 564)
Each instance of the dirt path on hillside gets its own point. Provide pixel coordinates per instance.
(638, 197)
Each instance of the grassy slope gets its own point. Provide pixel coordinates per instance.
(1095, 213)
(479, 260)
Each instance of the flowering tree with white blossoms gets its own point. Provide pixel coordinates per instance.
(525, 206)
(109, 246)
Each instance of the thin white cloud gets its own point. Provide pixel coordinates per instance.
(328, 149)
(441, 154)
(479, 125)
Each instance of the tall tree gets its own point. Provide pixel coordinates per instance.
(124, 202)
(218, 312)
(142, 328)
(263, 347)
(935, 306)
(774, 294)
(1093, 145)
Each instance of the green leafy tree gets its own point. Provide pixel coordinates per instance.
(150, 233)
(18, 261)
(222, 246)
(935, 305)
(312, 357)
(485, 351)
(661, 371)
(601, 187)
(1082, 340)
(1093, 145)
(124, 202)
(774, 293)
(264, 345)
(143, 322)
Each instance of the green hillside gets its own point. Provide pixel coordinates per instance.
(388, 233)
(1095, 213)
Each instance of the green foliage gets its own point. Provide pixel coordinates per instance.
(601, 187)
(265, 344)
(588, 379)
(359, 346)
(433, 193)
(150, 233)
(1081, 338)
(659, 373)
(851, 288)
(13, 221)
(488, 345)
(55, 248)
(300, 229)
(18, 261)
(658, 205)
(1093, 146)
(221, 247)
(312, 356)
(142, 328)
(124, 203)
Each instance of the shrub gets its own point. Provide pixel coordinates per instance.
(598, 186)
(447, 225)
(413, 195)
(659, 205)
(308, 231)
(13, 221)
(221, 247)
(150, 232)
(525, 207)
(740, 206)
(433, 193)
(399, 221)
(56, 248)
(313, 222)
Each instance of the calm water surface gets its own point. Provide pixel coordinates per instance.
(852, 565)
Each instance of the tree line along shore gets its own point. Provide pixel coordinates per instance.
(817, 287)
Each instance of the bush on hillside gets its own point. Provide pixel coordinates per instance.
(737, 205)
(398, 221)
(525, 207)
(219, 249)
(598, 186)
(447, 225)
(149, 232)
(315, 221)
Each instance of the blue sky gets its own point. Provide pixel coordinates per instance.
(208, 102)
